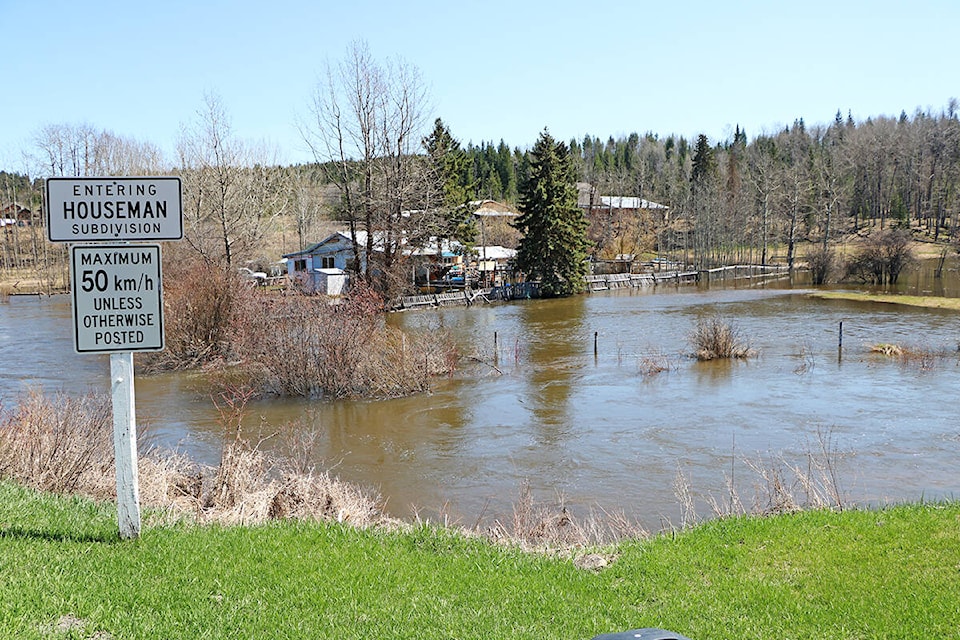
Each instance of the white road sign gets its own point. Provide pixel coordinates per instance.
(117, 298)
(114, 209)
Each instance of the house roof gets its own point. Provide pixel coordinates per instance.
(585, 189)
(446, 248)
(341, 237)
(15, 210)
(628, 202)
(495, 252)
(492, 209)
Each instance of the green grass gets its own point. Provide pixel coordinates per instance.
(929, 302)
(893, 573)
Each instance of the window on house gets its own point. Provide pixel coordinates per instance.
(300, 265)
(326, 262)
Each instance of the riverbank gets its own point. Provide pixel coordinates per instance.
(887, 573)
(927, 302)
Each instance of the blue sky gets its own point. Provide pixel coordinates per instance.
(495, 69)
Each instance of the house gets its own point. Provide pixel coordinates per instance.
(493, 263)
(15, 214)
(435, 259)
(589, 198)
(322, 267)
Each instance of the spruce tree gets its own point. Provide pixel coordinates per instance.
(704, 162)
(450, 165)
(553, 249)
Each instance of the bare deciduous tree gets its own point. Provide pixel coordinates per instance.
(366, 124)
(232, 193)
(81, 150)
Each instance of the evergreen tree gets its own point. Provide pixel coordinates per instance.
(451, 170)
(704, 162)
(553, 249)
(508, 173)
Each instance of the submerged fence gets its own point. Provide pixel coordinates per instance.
(526, 290)
(721, 274)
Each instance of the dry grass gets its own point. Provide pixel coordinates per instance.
(61, 444)
(779, 485)
(64, 445)
(651, 365)
(551, 526)
(924, 358)
(887, 349)
(249, 486)
(715, 338)
(928, 302)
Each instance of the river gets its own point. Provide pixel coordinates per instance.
(594, 401)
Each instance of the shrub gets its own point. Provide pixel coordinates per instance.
(204, 312)
(292, 345)
(715, 338)
(882, 257)
(823, 265)
(310, 347)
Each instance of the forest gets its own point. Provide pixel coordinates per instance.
(737, 200)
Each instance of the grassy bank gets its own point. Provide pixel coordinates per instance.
(892, 574)
(929, 302)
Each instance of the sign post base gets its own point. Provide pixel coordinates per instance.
(125, 444)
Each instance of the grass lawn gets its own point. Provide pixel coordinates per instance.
(929, 302)
(893, 573)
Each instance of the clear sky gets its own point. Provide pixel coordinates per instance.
(495, 69)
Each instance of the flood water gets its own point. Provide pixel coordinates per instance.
(560, 396)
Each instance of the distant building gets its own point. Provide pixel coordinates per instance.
(322, 267)
(14, 214)
(588, 197)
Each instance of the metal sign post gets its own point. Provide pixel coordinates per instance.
(117, 291)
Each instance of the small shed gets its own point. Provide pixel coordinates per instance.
(330, 282)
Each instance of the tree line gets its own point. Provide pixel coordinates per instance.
(395, 177)
(735, 200)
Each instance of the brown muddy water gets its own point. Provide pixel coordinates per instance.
(595, 429)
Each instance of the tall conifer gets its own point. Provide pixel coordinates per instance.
(452, 172)
(553, 249)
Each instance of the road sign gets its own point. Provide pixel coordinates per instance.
(117, 298)
(114, 209)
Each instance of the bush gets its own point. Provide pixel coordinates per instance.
(310, 347)
(823, 264)
(714, 338)
(293, 345)
(205, 309)
(882, 257)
